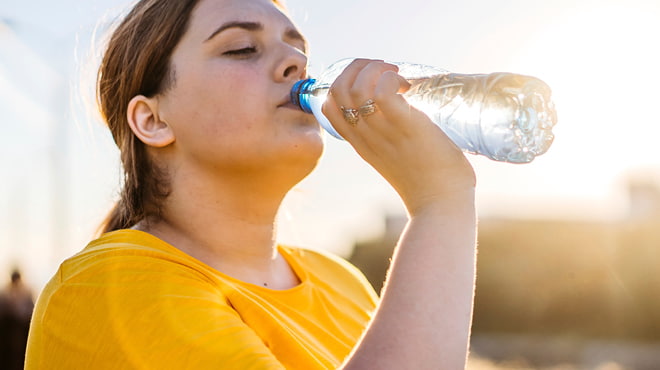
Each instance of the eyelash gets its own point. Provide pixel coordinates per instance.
(242, 52)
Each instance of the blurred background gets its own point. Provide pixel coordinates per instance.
(569, 243)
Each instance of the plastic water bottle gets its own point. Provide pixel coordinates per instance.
(504, 116)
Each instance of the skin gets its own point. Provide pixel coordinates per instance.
(230, 159)
(231, 162)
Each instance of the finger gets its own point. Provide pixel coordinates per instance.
(365, 82)
(361, 92)
(392, 115)
(333, 111)
(387, 95)
(339, 96)
(344, 82)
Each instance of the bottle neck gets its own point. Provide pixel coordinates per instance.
(300, 93)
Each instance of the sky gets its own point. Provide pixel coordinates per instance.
(60, 172)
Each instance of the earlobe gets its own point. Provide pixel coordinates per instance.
(143, 117)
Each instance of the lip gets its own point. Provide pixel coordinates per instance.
(286, 103)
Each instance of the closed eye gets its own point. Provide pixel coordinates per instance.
(241, 51)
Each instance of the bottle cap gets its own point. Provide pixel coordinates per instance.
(300, 94)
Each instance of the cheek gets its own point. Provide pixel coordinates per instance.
(216, 106)
(230, 117)
(228, 102)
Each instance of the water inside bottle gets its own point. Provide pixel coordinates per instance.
(506, 117)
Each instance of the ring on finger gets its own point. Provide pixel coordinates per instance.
(350, 115)
(368, 108)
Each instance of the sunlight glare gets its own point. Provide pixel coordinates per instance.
(601, 63)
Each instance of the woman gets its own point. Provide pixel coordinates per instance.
(188, 273)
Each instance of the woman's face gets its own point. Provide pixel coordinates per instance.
(228, 107)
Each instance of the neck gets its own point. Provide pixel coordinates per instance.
(225, 217)
(227, 226)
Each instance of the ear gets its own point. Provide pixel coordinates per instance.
(143, 117)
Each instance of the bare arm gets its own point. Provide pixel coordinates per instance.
(424, 318)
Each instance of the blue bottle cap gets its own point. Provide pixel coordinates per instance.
(300, 94)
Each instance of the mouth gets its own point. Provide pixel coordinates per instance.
(287, 103)
(302, 116)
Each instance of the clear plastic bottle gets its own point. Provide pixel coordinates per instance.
(504, 116)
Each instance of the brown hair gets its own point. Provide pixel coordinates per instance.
(137, 62)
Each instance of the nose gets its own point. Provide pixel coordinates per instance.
(292, 66)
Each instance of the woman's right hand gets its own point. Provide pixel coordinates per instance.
(399, 141)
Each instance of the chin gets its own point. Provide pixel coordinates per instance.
(310, 140)
(305, 155)
(310, 153)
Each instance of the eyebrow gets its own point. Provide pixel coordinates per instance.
(248, 26)
(290, 33)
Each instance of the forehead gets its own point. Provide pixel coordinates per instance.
(210, 13)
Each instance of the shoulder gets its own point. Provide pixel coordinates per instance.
(128, 252)
(129, 265)
(125, 276)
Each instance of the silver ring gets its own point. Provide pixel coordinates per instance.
(351, 115)
(368, 108)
